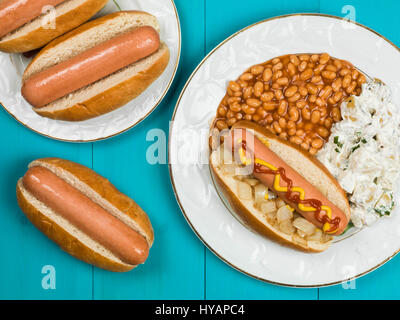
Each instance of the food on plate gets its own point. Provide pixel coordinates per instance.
(295, 96)
(308, 206)
(26, 25)
(96, 68)
(363, 152)
(85, 214)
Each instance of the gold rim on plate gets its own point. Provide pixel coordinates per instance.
(172, 176)
(139, 120)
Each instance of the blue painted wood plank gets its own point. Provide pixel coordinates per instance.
(382, 16)
(222, 19)
(175, 268)
(25, 250)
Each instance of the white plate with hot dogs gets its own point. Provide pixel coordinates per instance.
(74, 108)
(209, 211)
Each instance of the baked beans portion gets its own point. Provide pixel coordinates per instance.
(296, 96)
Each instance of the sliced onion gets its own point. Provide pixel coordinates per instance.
(259, 194)
(280, 203)
(244, 191)
(286, 226)
(229, 169)
(299, 240)
(302, 224)
(316, 236)
(284, 213)
(251, 181)
(268, 206)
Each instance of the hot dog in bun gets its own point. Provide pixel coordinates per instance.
(252, 163)
(85, 214)
(97, 67)
(26, 25)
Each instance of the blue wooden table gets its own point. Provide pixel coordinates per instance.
(179, 267)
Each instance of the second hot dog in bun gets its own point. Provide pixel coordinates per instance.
(96, 68)
(85, 214)
(253, 161)
(26, 25)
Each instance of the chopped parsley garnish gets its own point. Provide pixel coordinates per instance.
(337, 150)
(337, 142)
(363, 140)
(355, 148)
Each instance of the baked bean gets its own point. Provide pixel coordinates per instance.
(234, 86)
(329, 75)
(291, 124)
(337, 84)
(335, 114)
(291, 69)
(317, 143)
(305, 146)
(278, 94)
(324, 58)
(346, 81)
(283, 135)
(327, 124)
(278, 66)
(246, 76)
(301, 104)
(316, 79)
(221, 125)
(230, 122)
(253, 102)
(302, 66)
(294, 60)
(312, 88)
(315, 116)
(300, 133)
(282, 123)
(315, 57)
(331, 68)
(296, 140)
(267, 96)
(258, 89)
(282, 81)
(351, 88)
(277, 128)
(267, 75)
(294, 114)
(270, 106)
(294, 96)
(235, 107)
(291, 91)
(256, 70)
(313, 151)
(282, 108)
(306, 114)
(303, 91)
(306, 74)
(323, 132)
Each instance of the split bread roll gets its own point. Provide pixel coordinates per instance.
(85, 214)
(27, 25)
(120, 80)
(272, 216)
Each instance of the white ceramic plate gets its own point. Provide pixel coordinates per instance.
(111, 124)
(188, 150)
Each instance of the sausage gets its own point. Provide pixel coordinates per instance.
(16, 13)
(86, 215)
(90, 66)
(255, 149)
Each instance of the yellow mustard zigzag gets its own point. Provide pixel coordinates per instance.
(278, 188)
